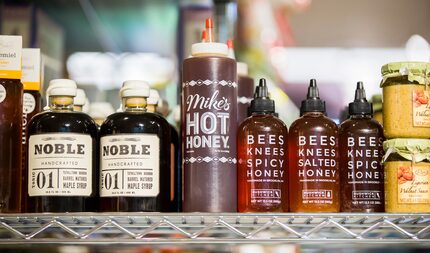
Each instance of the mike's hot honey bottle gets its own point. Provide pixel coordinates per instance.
(135, 156)
(62, 148)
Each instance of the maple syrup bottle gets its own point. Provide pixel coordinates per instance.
(62, 151)
(361, 172)
(262, 155)
(313, 158)
(11, 92)
(175, 169)
(135, 156)
(32, 103)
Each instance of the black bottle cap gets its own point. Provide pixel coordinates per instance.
(312, 103)
(360, 106)
(261, 102)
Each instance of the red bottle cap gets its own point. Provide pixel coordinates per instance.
(209, 23)
(230, 44)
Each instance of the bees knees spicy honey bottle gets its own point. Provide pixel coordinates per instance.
(361, 172)
(11, 92)
(262, 157)
(62, 148)
(313, 158)
(135, 156)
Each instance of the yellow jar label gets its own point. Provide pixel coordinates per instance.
(420, 108)
(413, 184)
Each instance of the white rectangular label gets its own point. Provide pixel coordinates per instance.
(10, 52)
(60, 164)
(130, 165)
(31, 65)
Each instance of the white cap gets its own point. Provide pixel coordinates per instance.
(100, 110)
(134, 88)
(242, 69)
(62, 87)
(209, 48)
(80, 98)
(86, 106)
(153, 98)
(177, 113)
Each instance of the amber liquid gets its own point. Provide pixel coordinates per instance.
(26, 117)
(262, 169)
(361, 172)
(150, 123)
(313, 162)
(10, 142)
(65, 122)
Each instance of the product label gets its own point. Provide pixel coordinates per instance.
(317, 168)
(31, 72)
(364, 154)
(266, 166)
(10, 56)
(413, 184)
(60, 164)
(209, 126)
(130, 165)
(28, 103)
(2, 93)
(420, 108)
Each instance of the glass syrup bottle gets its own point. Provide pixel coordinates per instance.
(262, 156)
(62, 148)
(135, 156)
(313, 158)
(361, 172)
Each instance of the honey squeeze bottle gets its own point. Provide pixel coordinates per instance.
(361, 172)
(262, 157)
(209, 125)
(313, 158)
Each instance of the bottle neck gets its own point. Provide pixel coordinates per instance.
(360, 116)
(134, 104)
(77, 108)
(151, 108)
(61, 103)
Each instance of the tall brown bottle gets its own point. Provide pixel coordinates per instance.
(262, 157)
(361, 172)
(313, 158)
(11, 92)
(209, 125)
(32, 103)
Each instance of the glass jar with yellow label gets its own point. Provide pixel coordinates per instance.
(407, 175)
(406, 112)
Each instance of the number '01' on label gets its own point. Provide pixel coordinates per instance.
(130, 165)
(60, 164)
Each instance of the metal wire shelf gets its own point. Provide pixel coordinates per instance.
(195, 228)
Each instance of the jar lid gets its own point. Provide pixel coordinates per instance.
(415, 71)
(415, 150)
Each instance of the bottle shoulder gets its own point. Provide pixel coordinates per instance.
(361, 125)
(132, 122)
(317, 123)
(62, 122)
(263, 123)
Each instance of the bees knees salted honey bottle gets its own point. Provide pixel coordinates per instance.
(361, 172)
(209, 125)
(62, 148)
(11, 92)
(313, 158)
(262, 157)
(135, 156)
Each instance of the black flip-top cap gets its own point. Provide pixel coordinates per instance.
(360, 106)
(261, 102)
(312, 103)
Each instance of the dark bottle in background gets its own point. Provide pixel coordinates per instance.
(262, 157)
(62, 152)
(11, 92)
(245, 91)
(361, 172)
(313, 158)
(32, 102)
(135, 156)
(209, 125)
(175, 188)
